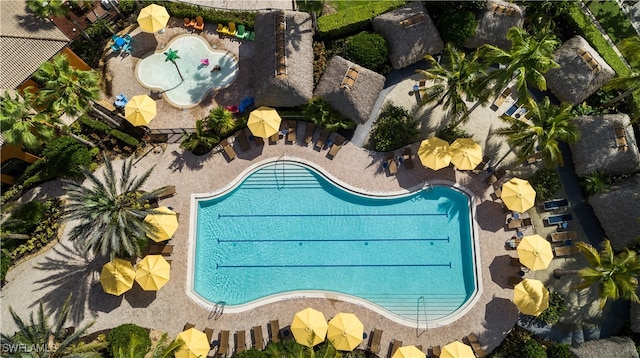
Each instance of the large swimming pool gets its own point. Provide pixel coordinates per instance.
(284, 231)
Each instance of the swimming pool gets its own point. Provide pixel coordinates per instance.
(155, 73)
(285, 230)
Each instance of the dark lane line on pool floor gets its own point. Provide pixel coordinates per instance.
(333, 240)
(334, 265)
(322, 215)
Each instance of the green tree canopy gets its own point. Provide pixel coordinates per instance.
(22, 125)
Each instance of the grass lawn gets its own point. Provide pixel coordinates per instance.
(613, 20)
(340, 5)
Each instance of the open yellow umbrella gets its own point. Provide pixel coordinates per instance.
(531, 297)
(196, 344)
(153, 271)
(153, 18)
(434, 153)
(264, 122)
(408, 352)
(345, 331)
(535, 252)
(140, 110)
(457, 349)
(117, 277)
(166, 224)
(466, 154)
(309, 327)
(518, 195)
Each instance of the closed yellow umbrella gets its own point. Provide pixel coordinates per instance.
(140, 110)
(518, 195)
(434, 153)
(408, 352)
(531, 297)
(264, 122)
(196, 344)
(345, 331)
(153, 272)
(466, 154)
(117, 277)
(166, 224)
(309, 327)
(457, 349)
(535, 252)
(153, 18)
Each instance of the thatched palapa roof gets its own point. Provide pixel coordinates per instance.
(598, 147)
(612, 347)
(354, 98)
(410, 34)
(494, 22)
(583, 71)
(293, 84)
(618, 210)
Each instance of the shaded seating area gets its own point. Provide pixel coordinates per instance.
(228, 150)
(241, 139)
(496, 176)
(563, 236)
(561, 251)
(373, 345)
(336, 146)
(389, 164)
(480, 167)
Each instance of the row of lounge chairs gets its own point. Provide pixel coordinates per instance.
(392, 162)
(239, 32)
(240, 339)
(588, 59)
(197, 23)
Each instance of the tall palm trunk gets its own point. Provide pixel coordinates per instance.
(560, 273)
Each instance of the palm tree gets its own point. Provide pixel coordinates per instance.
(220, 121)
(43, 340)
(456, 77)
(48, 8)
(199, 142)
(65, 88)
(22, 125)
(616, 275)
(164, 349)
(110, 214)
(629, 83)
(529, 58)
(547, 124)
(172, 55)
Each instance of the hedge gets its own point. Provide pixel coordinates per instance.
(106, 129)
(353, 20)
(212, 16)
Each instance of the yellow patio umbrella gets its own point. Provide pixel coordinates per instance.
(140, 110)
(466, 154)
(196, 344)
(153, 18)
(264, 122)
(535, 252)
(117, 277)
(518, 195)
(166, 224)
(531, 297)
(153, 271)
(408, 352)
(309, 327)
(345, 331)
(457, 349)
(434, 153)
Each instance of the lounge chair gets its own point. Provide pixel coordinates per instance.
(251, 35)
(563, 236)
(472, 340)
(515, 223)
(512, 243)
(513, 281)
(228, 150)
(221, 28)
(188, 325)
(164, 250)
(501, 98)
(199, 24)
(291, 134)
(209, 333)
(374, 341)
(496, 176)
(256, 336)
(188, 22)
(168, 192)
(274, 138)
(242, 140)
(535, 158)
(223, 343)
(322, 139)
(274, 331)
(557, 219)
(308, 133)
(406, 158)
(435, 351)
(241, 33)
(565, 251)
(394, 347)
(555, 204)
(390, 160)
(336, 146)
(513, 109)
(480, 167)
(241, 343)
(232, 29)
(526, 222)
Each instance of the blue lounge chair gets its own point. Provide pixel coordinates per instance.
(557, 219)
(511, 110)
(555, 204)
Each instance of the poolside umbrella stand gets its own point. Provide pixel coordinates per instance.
(434, 153)
(195, 344)
(518, 195)
(309, 327)
(140, 110)
(457, 349)
(153, 272)
(408, 352)
(166, 224)
(531, 297)
(535, 252)
(264, 122)
(345, 331)
(153, 18)
(466, 154)
(117, 277)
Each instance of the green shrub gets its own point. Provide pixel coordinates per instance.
(5, 262)
(353, 20)
(595, 182)
(220, 121)
(367, 50)
(532, 349)
(559, 351)
(251, 353)
(26, 218)
(45, 232)
(127, 7)
(457, 27)
(546, 183)
(322, 114)
(124, 138)
(129, 338)
(90, 50)
(65, 156)
(450, 134)
(394, 128)
(93, 124)
(557, 306)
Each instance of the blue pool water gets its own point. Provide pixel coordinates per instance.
(287, 228)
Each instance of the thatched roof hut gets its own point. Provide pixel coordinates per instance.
(284, 73)
(494, 22)
(353, 97)
(612, 347)
(583, 71)
(410, 34)
(618, 211)
(600, 146)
